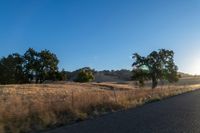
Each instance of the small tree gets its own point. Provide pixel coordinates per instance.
(85, 76)
(61, 75)
(158, 65)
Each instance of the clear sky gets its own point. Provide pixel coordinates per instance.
(102, 34)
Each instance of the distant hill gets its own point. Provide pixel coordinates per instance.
(105, 75)
(111, 75)
(183, 75)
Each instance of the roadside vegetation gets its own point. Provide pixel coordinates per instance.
(26, 108)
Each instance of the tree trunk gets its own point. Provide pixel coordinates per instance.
(36, 81)
(154, 82)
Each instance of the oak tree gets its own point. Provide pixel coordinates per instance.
(158, 65)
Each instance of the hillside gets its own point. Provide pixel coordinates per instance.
(112, 75)
(105, 75)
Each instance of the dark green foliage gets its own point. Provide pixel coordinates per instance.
(61, 76)
(48, 65)
(40, 66)
(11, 68)
(33, 66)
(85, 75)
(158, 65)
(140, 75)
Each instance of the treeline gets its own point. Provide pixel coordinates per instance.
(37, 67)
(40, 66)
(32, 66)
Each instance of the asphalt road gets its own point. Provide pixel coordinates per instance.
(179, 114)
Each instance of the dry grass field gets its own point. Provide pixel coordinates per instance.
(26, 108)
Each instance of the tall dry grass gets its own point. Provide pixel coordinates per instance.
(26, 108)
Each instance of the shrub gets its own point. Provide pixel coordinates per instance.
(85, 76)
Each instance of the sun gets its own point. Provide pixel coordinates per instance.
(195, 67)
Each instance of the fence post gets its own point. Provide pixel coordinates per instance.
(115, 95)
(72, 96)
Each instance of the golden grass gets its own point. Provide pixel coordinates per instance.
(26, 108)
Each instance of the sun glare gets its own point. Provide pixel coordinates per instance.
(193, 66)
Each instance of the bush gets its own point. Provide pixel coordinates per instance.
(85, 76)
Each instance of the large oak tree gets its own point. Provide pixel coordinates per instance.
(158, 65)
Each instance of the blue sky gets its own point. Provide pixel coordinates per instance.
(102, 34)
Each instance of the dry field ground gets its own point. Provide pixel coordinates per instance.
(26, 108)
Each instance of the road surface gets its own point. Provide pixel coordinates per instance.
(179, 114)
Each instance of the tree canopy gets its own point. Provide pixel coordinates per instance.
(85, 75)
(11, 68)
(158, 65)
(33, 66)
